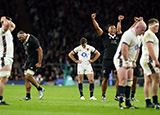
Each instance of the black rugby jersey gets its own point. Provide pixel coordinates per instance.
(30, 45)
(110, 44)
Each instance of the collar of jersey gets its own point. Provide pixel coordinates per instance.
(27, 39)
(112, 36)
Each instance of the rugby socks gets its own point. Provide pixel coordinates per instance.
(1, 98)
(148, 101)
(133, 93)
(28, 95)
(39, 88)
(127, 94)
(121, 92)
(80, 87)
(155, 99)
(103, 95)
(91, 87)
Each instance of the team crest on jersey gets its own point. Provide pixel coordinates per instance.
(136, 47)
(87, 48)
(84, 54)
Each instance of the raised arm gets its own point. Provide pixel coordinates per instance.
(120, 18)
(136, 20)
(7, 24)
(96, 25)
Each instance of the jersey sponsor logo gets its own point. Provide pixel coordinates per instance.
(136, 47)
(84, 55)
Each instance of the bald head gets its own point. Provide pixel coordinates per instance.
(140, 27)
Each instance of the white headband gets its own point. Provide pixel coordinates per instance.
(21, 35)
(156, 24)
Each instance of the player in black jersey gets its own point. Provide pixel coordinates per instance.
(110, 42)
(33, 62)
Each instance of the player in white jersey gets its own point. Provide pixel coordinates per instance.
(84, 65)
(124, 61)
(6, 53)
(150, 64)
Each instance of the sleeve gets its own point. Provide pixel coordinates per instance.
(148, 38)
(126, 38)
(35, 43)
(92, 49)
(75, 50)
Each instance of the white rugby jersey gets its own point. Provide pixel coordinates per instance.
(6, 44)
(129, 37)
(84, 54)
(149, 36)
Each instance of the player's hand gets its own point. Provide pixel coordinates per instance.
(136, 19)
(38, 65)
(93, 16)
(120, 17)
(78, 61)
(157, 63)
(90, 61)
(134, 64)
(140, 18)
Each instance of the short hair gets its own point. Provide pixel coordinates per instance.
(83, 40)
(21, 32)
(152, 20)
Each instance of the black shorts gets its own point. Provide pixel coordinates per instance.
(107, 66)
(31, 66)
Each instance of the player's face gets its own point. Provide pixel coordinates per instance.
(141, 30)
(84, 45)
(112, 30)
(22, 39)
(155, 28)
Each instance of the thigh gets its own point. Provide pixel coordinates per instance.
(31, 66)
(122, 74)
(130, 74)
(107, 66)
(88, 69)
(80, 69)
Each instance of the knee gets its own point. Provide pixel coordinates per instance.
(4, 80)
(105, 80)
(91, 81)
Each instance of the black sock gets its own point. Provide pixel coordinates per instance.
(80, 86)
(127, 91)
(121, 92)
(39, 88)
(1, 98)
(28, 95)
(91, 88)
(133, 93)
(103, 95)
(148, 101)
(116, 94)
(128, 102)
(155, 99)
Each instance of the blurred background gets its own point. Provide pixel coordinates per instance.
(59, 25)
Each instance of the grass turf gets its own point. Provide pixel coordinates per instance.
(65, 100)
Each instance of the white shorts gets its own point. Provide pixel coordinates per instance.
(120, 63)
(84, 69)
(149, 68)
(3, 62)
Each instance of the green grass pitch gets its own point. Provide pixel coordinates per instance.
(64, 100)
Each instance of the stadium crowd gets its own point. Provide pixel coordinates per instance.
(60, 24)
